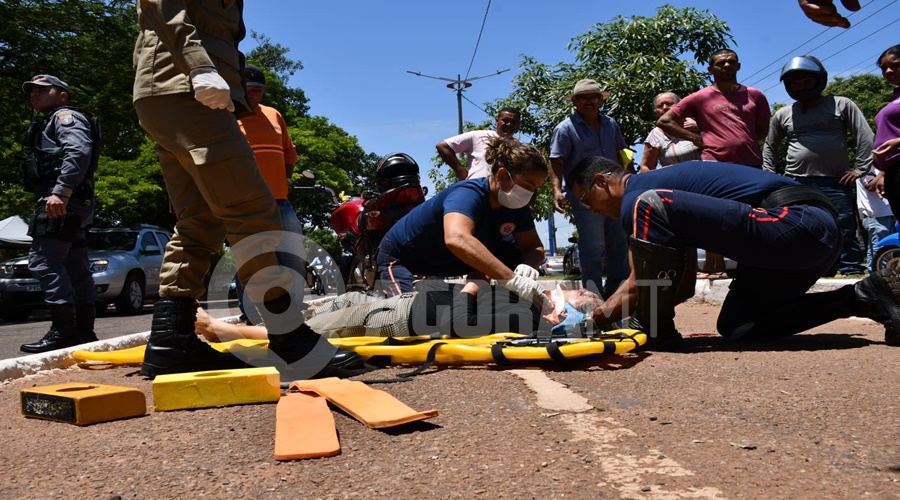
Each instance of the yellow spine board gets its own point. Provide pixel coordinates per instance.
(412, 350)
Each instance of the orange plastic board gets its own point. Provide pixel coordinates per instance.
(82, 403)
(375, 408)
(304, 428)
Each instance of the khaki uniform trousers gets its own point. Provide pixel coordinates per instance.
(216, 191)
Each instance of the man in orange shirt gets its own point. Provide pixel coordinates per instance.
(275, 153)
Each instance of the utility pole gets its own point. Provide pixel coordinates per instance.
(458, 85)
(551, 232)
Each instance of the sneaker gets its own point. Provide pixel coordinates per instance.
(880, 295)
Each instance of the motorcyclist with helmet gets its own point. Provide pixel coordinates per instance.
(816, 127)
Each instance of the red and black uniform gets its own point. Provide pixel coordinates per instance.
(781, 250)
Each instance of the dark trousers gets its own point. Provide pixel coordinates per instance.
(781, 252)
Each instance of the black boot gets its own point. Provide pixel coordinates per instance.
(299, 352)
(660, 268)
(877, 297)
(84, 322)
(62, 333)
(173, 346)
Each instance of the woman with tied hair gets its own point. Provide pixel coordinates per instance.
(460, 231)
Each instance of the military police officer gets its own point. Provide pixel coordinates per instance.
(64, 148)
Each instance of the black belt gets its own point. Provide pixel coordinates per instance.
(798, 195)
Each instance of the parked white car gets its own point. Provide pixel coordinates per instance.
(125, 263)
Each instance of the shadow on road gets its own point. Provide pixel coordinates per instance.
(806, 342)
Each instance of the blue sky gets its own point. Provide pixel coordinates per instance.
(356, 55)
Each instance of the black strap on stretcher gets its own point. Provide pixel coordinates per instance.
(552, 347)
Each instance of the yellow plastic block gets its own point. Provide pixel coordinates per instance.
(83, 403)
(182, 391)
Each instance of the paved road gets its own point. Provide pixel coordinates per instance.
(109, 325)
(811, 417)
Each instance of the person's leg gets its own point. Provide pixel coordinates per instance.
(892, 188)
(877, 228)
(764, 303)
(291, 253)
(393, 277)
(744, 317)
(47, 262)
(844, 201)
(173, 347)
(591, 246)
(78, 267)
(714, 265)
(216, 189)
(616, 255)
(797, 241)
(381, 318)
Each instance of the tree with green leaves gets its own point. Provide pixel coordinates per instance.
(88, 44)
(634, 58)
(869, 91)
(338, 162)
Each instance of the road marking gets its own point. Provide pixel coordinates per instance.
(626, 473)
(552, 395)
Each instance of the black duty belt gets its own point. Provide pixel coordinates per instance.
(798, 195)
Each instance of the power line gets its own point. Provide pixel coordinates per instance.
(459, 85)
(477, 106)
(794, 50)
(478, 42)
(868, 60)
(863, 38)
(760, 80)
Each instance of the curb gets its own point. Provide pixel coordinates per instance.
(707, 291)
(62, 358)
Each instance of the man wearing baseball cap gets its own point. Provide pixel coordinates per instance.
(275, 154)
(59, 170)
(588, 132)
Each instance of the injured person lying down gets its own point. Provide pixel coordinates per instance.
(436, 308)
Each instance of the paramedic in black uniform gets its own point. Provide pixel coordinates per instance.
(783, 236)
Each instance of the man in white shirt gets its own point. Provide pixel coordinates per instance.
(474, 144)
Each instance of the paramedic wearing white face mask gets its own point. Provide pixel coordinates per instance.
(460, 231)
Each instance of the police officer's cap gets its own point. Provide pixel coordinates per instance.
(255, 76)
(44, 81)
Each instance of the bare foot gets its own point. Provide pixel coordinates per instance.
(204, 325)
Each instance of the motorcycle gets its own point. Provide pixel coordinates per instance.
(318, 284)
(362, 222)
(887, 251)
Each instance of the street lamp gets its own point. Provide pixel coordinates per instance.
(458, 85)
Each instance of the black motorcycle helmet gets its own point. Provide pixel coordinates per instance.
(395, 169)
(801, 67)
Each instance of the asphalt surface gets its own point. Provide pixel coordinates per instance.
(813, 416)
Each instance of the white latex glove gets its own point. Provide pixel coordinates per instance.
(211, 90)
(527, 271)
(529, 289)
